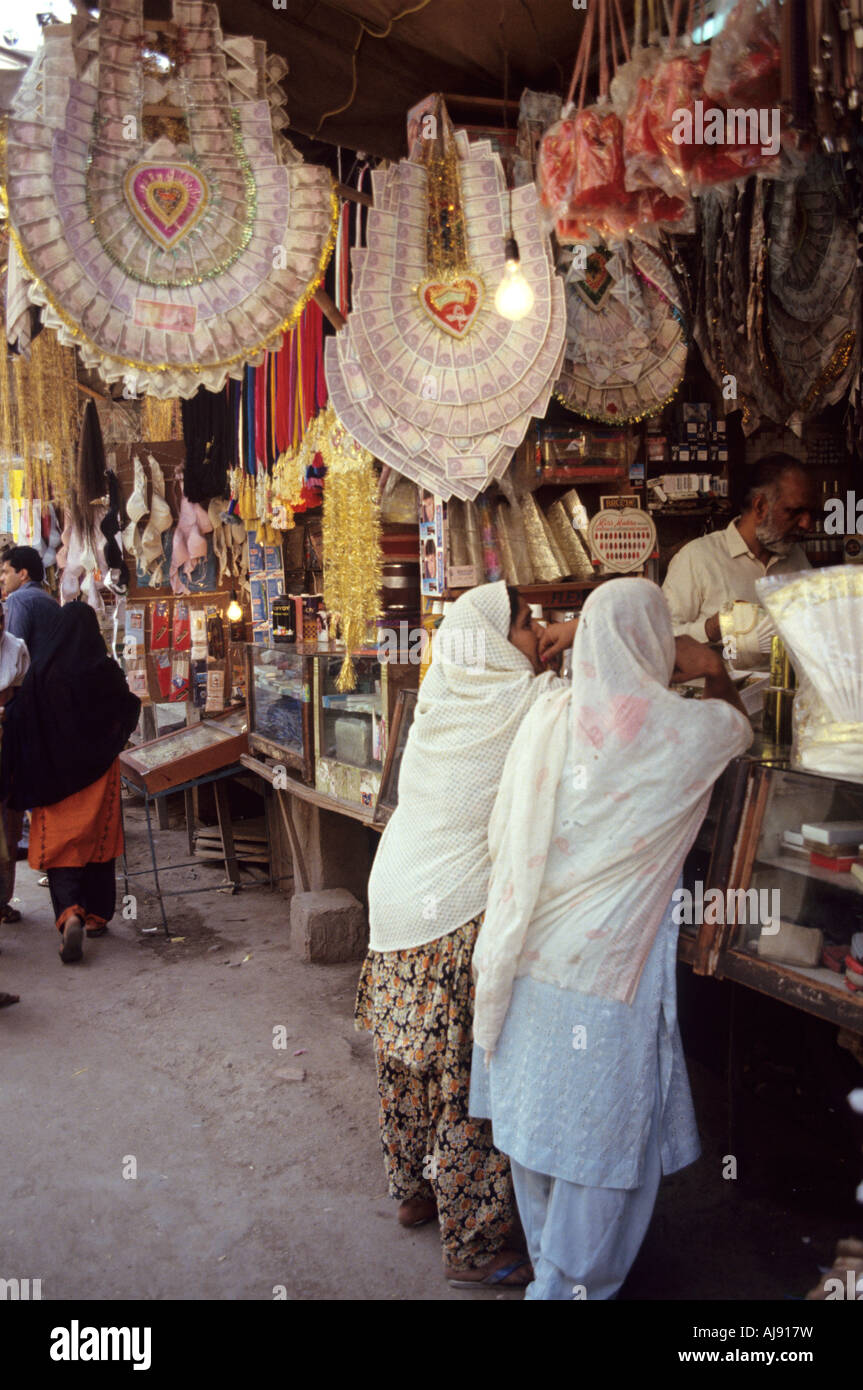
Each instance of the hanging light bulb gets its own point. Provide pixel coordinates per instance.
(514, 298)
(235, 612)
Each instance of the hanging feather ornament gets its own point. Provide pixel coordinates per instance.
(351, 540)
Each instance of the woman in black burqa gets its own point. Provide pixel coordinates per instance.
(62, 735)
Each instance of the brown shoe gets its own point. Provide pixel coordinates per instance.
(73, 932)
(417, 1211)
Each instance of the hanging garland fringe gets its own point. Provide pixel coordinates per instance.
(39, 417)
(351, 538)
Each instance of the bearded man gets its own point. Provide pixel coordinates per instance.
(779, 510)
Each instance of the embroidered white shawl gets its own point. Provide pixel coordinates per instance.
(430, 873)
(600, 801)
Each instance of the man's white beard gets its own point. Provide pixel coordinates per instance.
(768, 536)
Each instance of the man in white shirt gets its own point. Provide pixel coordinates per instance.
(778, 510)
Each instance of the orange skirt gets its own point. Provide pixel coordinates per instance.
(84, 828)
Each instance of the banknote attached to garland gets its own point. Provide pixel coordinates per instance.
(161, 221)
(427, 375)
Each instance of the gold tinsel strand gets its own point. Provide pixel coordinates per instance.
(446, 232)
(351, 538)
(39, 417)
(160, 420)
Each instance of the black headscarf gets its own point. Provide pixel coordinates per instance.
(70, 718)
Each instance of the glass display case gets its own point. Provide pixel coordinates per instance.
(279, 682)
(184, 754)
(351, 728)
(785, 914)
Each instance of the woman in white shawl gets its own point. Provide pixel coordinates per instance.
(578, 1060)
(14, 661)
(427, 892)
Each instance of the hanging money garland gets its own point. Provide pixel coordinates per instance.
(626, 335)
(171, 250)
(351, 538)
(427, 374)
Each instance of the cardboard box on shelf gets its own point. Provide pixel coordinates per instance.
(441, 556)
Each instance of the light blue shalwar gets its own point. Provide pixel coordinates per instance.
(590, 1099)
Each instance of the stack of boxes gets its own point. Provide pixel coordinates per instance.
(695, 453)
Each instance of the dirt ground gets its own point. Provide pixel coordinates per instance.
(249, 1179)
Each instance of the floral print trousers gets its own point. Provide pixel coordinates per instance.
(419, 1005)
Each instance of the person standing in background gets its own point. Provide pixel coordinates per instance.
(62, 737)
(31, 612)
(14, 663)
(779, 511)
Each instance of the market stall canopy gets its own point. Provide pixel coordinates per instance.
(455, 46)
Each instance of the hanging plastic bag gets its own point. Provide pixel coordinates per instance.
(745, 56)
(598, 145)
(556, 170)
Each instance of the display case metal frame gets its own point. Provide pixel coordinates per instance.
(741, 800)
(303, 763)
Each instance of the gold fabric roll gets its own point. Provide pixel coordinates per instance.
(504, 548)
(577, 561)
(557, 551)
(457, 528)
(575, 510)
(473, 538)
(546, 567)
(514, 523)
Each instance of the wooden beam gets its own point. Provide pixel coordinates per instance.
(97, 395)
(354, 195)
(329, 310)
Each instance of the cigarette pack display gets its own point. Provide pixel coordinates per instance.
(179, 678)
(199, 683)
(135, 631)
(825, 861)
(160, 676)
(182, 627)
(198, 629)
(160, 631)
(215, 637)
(835, 832)
(215, 689)
(136, 677)
(256, 557)
(258, 587)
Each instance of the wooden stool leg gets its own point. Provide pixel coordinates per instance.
(226, 830)
(189, 799)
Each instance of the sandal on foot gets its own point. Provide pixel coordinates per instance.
(73, 932)
(99, 930)
(417, 1211)
(500, 1276)
(9, 914)
(7, 999)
